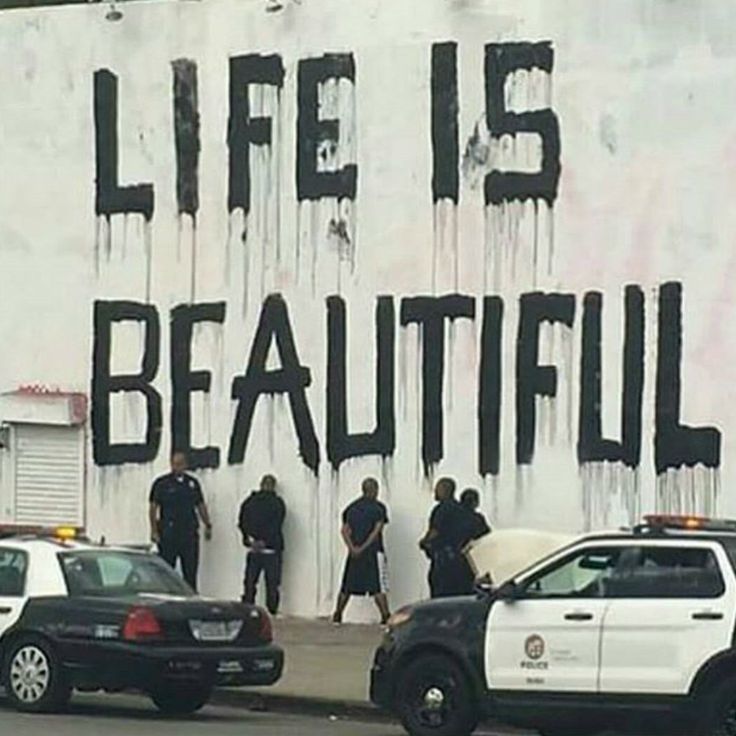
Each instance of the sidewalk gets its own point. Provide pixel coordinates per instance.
(326, 672)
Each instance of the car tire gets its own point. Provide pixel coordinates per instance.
(34, 678)
(721, 708)
(434, 698)
(180, 699)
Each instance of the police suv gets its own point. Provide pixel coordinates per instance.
(74, 615)
(631, 631)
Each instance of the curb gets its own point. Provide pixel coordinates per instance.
(351, 710)
(301, 705)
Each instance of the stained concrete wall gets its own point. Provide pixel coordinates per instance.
(628, 183)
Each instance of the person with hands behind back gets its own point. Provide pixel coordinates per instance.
(261, 522)
(365, 568)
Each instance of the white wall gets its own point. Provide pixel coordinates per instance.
(644, 93)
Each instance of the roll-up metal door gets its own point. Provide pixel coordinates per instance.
(49, 475)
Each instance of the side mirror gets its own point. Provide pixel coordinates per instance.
(509, 591)
(484, 585)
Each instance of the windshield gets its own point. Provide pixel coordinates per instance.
(113, 573)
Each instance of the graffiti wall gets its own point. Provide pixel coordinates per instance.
(485, 239)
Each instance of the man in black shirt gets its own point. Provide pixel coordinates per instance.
(477, 524)
(176, 505)
(477, 527)
(261, 523)
(365, 570)
(444, 542)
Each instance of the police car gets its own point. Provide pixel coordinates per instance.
(75, 615)
(631, 631)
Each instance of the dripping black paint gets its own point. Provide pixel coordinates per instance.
(676, 444)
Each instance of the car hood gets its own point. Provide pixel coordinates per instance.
(506, 552)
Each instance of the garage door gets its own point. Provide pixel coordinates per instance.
(49, 475)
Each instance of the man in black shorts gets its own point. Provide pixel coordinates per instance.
(365, 570)
(176, 505)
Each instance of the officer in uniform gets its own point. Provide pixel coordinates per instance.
(444, 541)
(176, 505)
(477, 527)
(478, 524)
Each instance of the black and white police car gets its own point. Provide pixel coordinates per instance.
(74, 615)
(631, 631)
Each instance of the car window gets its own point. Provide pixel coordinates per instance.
(668, 572)
(579, 575)
(729, 544)
(13, 567)
(114, 573)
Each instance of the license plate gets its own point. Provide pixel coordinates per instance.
(229, 667)
(215, 630)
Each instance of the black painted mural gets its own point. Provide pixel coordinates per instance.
(433, 314)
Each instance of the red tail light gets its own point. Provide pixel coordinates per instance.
(265, 631)
(141, 624)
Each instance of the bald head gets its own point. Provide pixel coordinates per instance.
(179, 462)
(370, 488)
(268, 483)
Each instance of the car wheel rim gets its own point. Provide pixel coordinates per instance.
(434, 701)
(30, 674)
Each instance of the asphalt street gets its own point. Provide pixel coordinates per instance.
(129, 715)
(122, 715)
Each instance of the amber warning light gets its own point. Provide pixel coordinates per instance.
(673, 521)
(60, 533)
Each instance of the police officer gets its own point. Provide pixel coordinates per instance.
(477, 523)
(444, 542)
(261, 523)
(176, 505)
(477, 527)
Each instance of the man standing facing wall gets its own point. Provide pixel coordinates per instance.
(261, 522)
(365, 569)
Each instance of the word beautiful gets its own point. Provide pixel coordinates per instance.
(675, 443)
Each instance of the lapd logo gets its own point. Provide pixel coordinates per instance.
(534, 647)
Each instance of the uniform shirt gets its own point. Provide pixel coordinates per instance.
(361, 517)
(477, 526)
(262, 517)
(450, 520)
(177, 496)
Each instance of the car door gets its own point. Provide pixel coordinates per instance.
(667, 616)
(546, 635)
(13, 571)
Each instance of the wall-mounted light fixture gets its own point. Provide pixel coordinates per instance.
(113, 14)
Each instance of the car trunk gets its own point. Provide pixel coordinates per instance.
(185, 621)
(207, 623)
